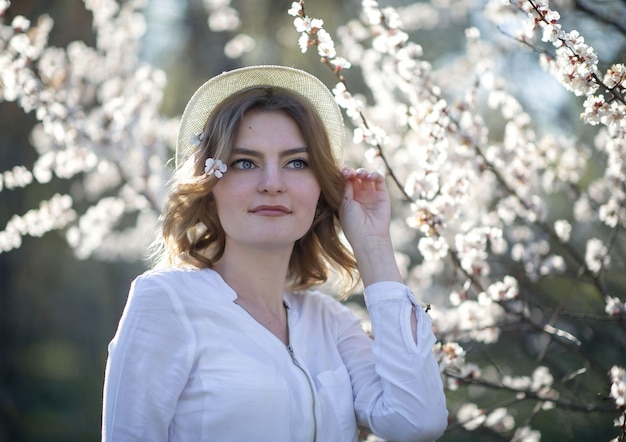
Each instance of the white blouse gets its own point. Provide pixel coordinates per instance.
(188, 364)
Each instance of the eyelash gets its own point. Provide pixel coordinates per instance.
(304, 162)
(237, 163)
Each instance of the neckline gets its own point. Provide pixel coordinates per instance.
(231, 294)
(277, 337)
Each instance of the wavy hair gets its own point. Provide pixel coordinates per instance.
(192, 235)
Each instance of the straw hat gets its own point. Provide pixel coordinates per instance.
(215, 90)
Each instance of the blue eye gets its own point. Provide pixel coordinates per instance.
(298, 164)
(243, 164)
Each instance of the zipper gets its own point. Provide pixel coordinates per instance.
(297, 364)
(308, 379)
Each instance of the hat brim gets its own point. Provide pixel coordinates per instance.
(218, 88)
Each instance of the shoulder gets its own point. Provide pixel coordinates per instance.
(318, 312)
(313, 299)
(175, 277)
(318, 304)
(185, 284)
(167, 276)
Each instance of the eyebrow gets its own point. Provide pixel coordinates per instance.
(256, 153)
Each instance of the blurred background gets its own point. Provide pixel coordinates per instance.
(58, 313)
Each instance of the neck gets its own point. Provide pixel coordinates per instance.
(258, 278)
(257, 275)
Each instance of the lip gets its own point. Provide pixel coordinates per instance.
(270, 210)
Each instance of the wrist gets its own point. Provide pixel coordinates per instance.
(376, 260)
(372, 244)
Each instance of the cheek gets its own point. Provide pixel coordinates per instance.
(225, 198)
(314, 194)
(229, 186)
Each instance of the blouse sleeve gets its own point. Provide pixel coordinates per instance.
(398, 393)
(148, 365)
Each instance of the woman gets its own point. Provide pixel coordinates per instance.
(227, 340)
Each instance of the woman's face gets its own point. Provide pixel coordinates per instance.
(268, 196)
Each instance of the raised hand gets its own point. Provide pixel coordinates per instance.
(365, 215)
(366, 208)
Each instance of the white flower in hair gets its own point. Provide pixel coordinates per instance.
(214, 167)
(196, 139)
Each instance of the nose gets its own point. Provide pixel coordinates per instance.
(272, 180)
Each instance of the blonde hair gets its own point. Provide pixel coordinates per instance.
(192, 235)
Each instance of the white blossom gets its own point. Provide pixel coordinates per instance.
(526, 434)
(596, 255)
(4, 5)
(611, 212)
(224, 19)
(563, 229)
(214, 167)
(617, 377)
(325, 44)
(504, 290)
(470, 416)
(433, 248)
(500, 420)
(307, 24)
(340, 63)
(304, 42)
(239, 45)
(53, 214)
(614, 306)
(295, 9)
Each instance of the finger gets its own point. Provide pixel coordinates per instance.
(370, 180)
(378, 179)
(362, 173)
(348, 173)
(357, 178)
(365, 174)
(360, 179)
